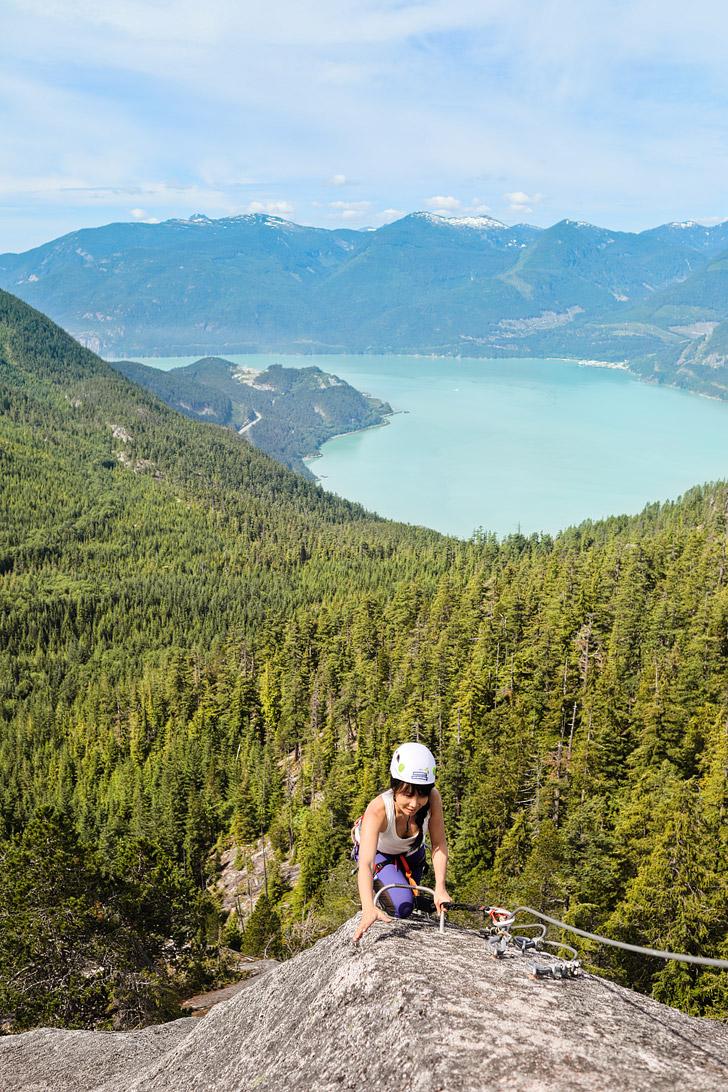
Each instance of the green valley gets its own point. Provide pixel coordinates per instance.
(199, 647)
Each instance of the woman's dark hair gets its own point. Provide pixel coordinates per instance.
(408, 789)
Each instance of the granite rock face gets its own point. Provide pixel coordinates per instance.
(54, 1060)
(405, 1008)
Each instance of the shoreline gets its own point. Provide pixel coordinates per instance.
(615, 365)
(582, 362)
(351, 432)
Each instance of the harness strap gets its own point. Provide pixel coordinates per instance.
(399, 861)
(408, 874)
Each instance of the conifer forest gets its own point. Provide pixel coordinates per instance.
(199, 648)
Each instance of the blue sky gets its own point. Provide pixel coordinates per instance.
(355, 112)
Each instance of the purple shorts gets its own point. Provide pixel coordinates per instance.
(399, 901)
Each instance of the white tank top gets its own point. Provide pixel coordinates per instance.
(389, 841)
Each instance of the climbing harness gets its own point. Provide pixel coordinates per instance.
(503, 932)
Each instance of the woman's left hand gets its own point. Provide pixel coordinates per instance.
(441, 897)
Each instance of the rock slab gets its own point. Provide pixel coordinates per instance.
(405, 1008)
(56, 1060)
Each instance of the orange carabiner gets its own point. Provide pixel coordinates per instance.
(498, 914)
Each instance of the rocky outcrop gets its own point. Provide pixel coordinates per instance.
(243, 875)
(53, 1060)
(406, 1008)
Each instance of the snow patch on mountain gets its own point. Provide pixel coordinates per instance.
(480, 223)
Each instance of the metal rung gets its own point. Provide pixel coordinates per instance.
(409, 887)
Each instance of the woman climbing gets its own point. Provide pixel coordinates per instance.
(389, 839)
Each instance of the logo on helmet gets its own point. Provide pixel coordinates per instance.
(419, 775)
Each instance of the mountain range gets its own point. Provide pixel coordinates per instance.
(656, 301)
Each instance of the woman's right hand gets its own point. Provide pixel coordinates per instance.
(368, 917)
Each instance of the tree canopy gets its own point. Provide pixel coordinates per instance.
(197, 644)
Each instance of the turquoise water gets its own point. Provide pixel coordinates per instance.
(534, 445)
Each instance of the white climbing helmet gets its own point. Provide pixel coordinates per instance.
(413, 763)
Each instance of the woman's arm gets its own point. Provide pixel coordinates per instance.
(373, 823)
(438, 842)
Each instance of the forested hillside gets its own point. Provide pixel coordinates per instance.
(134, 542)
(287, 412)
(197, 645)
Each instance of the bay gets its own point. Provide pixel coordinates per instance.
(512, 445)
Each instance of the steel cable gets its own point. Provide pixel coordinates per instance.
(702, 960)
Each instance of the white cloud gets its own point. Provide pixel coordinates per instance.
(143, 216)
(77, 189)
(411, 96)
(443, 204)
(350, 206)
(217, 171)
(388, 216)
(518, 201)
(517, 198)
(357, 210)
(272, 208)
(170, 28)
(348, 210)
(476, 208)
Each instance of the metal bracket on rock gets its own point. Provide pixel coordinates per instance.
(419, 887)
(572, 969)
(498, 936)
